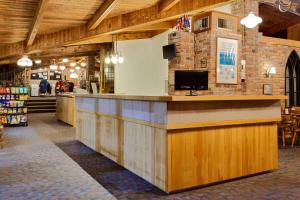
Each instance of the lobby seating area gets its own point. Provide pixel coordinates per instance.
(289, 127)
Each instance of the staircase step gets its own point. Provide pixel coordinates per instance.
(41, 104)
(42, 111)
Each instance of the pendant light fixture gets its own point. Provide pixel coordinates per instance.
(74, 75)
(53, 66)
(77, 67)
(24, 62)
(115, 57)
(65, 60)
(251, 21)
(72, 70)
(62, 67)
(38, 61)
(73, 64)
(83, 64)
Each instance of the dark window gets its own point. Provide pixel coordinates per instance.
(292, 80)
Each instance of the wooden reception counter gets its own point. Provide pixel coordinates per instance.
(179, 142)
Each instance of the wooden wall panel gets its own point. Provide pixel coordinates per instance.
(109, 137)
(86, 128)
(65, 110)
(207, 155)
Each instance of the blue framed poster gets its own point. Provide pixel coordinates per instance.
(227, 53)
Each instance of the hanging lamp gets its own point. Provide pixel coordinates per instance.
(24, 62)
(53, 66)
(62, 67)
(115, 57)
(74, 75)
(251, 21)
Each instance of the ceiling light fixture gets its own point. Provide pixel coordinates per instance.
(72, 70)
(73, 64)
(251, 21)
(115, 57)
(65, 60)
(38, 61)
(24, 62)
(83, 64)
(62, 67)
(74, 75)
(53, 66)
(77, 68)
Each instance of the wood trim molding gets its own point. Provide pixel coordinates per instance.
(279, 41)
(102, 13)
(186, 98)
(220, 123)
(37, 21)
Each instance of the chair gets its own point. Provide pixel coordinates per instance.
(286, 127)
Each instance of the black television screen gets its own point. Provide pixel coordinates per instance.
(191, 80)
(169, 51)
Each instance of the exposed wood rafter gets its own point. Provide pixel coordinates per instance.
(102, 13)
(136, 20)
(165, 5)
(37, 21)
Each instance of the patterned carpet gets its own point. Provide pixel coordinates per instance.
(281, 184)
(33, 167)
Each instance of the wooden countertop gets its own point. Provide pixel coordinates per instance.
(185, 98)
(69, 95)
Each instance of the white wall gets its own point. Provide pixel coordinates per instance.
(144, 71)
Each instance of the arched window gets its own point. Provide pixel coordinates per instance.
(292, 80)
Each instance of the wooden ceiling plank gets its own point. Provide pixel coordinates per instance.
(165, 5)
(102, 13)
(120, 24)
(37, 21)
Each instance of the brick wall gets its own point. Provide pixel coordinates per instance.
(185, 59)
(273, 56)
(198, 52)
(195, 49)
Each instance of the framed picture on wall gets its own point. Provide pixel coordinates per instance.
(268, 89)
(227, 67)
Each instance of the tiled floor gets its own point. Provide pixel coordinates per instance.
(33, 167)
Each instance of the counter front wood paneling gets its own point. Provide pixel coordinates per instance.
(208, 155)
(178, 144)
(131, 133)
(65, 109)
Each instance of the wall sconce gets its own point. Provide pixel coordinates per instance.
(271, 71)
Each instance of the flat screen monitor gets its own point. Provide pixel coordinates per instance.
(169, 51)
(191, 80)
